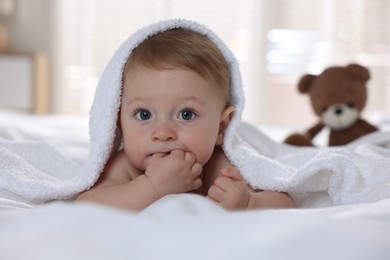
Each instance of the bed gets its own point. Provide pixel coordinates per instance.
(178, 226)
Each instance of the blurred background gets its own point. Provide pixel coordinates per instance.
(56, 50)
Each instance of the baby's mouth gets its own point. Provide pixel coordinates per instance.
(163, 152)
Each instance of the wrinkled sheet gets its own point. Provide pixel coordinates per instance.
(193, 227)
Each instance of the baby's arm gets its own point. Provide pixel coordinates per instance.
(270, 200)
(121, 185)
(232, 192)
(116, 186)
(229, 190)
(240, 196)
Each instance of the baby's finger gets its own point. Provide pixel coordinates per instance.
(232, 173)
(177, 153)
(158, 155)
(189, 157)
(224, 183)
(197, 183)
(196, 169)
(216, 193)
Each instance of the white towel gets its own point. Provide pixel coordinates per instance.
(358, 172)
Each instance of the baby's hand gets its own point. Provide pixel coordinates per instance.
(177, 172)
(230, 190)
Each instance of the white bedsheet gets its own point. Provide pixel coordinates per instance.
(192, 227)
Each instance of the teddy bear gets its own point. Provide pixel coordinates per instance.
(338, 96)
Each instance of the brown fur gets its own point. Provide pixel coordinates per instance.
(335, 85)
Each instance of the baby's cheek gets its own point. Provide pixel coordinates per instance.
(204, 154)
(136, 157)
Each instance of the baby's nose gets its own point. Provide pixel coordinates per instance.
(164, 131)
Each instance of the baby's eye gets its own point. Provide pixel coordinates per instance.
(187, 114)
(143, 114)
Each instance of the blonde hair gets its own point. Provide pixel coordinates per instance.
(184, 48)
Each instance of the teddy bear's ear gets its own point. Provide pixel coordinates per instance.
(305, 82)
(358, 71)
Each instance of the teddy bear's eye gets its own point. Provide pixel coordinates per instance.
(351, 105)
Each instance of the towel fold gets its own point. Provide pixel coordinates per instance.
(358, 172)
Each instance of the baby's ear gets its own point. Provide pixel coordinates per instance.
(227, 115)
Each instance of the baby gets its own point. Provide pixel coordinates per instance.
(173, 116)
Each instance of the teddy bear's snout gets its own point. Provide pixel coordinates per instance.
(338, 111)
(340, 116)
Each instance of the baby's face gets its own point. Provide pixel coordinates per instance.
(170, 109)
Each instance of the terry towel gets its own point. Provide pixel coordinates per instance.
(358, 172)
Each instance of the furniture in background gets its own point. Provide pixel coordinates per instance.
(23, 82)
